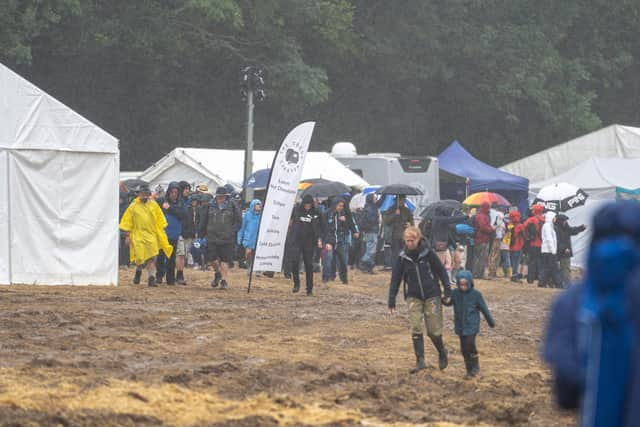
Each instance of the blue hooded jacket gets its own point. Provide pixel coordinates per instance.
(592, 340)
(175, 214)
(467, 307)
(248, 234)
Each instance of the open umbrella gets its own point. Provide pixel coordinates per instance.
(132, 184)
(326, 189)
(441, 208)
(258, 179)
(478, 199)
(399, 189)
(561, 197)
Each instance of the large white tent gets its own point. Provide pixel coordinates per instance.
(612, 141)
(58, 191)
(216, 167)
(599, 178)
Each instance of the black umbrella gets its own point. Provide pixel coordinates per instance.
(134, 184)
(326, 189)
(441, 208)
(400, 189)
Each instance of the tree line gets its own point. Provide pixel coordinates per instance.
(505, 77)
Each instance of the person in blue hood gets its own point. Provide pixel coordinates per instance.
(175, 213)
(248, 233)
(468, 303)
(592, 341)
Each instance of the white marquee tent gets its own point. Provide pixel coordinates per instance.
(599, 178)
(216, 167)
(58, 191)
(612, 141)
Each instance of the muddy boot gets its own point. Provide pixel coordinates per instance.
(443, 354)
(216, 280)
(475, 365)
(224, 284)
(296, 288)
(152, 281)
(137, 276)
(309, 293)
(180, 278)
(467, 365)
(418, 349)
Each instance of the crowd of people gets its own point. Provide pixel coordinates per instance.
(493, 241)
(325, 235)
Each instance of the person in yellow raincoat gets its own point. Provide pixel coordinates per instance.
(144, 223)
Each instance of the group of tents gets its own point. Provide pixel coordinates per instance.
(59, 178)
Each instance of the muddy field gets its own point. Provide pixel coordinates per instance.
(133, 355)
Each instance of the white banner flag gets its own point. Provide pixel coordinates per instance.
(283, 186)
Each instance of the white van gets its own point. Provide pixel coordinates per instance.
(421, 172)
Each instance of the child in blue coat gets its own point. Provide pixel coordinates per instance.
(467, 305)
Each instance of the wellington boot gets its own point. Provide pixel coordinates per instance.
(443, 354)
(152, 281)
(418, 349)
(475, 365)
(137, 277)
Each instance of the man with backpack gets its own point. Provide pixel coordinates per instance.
(533, 241)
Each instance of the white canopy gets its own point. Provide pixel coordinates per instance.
(216, 167)
(58, 191)
(612, 141)
(599, 176)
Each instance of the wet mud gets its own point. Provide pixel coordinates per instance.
(196, 356)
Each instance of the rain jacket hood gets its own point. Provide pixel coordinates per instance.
(248, 233)
(465, 275)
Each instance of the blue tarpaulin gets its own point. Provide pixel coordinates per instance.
(478, 176)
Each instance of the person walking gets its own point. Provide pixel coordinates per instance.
(222, 221)
(144, 223)
(482, 240)
(533, 242)
(305, 237)
(549, 273)
(499, 227)
(175, 213)
(248, 233)
(335, 237)
(516, 243)
(395, 221)
(370, 227)
(425, 279)
(468, 303)
(565, 251)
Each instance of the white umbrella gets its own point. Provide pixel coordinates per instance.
(561, 197)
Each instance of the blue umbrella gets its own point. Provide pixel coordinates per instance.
(258, 179)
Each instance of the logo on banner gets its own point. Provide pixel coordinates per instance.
(289, 158)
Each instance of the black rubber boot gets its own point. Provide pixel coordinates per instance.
(467, 364)
(180, 278)
(296, 288)
(224, 284)
(152, 281)
(475, 365)
(418, 349)
(137, 276)
(216, 280)
(443, 354)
